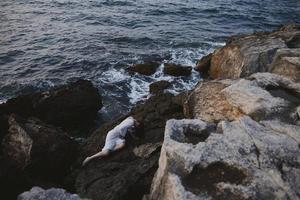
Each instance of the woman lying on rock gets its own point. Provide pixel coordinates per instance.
(115, 138)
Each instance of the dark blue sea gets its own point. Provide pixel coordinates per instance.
(44, 43)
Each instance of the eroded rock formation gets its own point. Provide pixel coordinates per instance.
(244, 159)
(261, 52)
(261, 96)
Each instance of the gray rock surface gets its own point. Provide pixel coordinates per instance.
(261, 96)
(37, 193)
(265, 96)
(248, 160)
(286, 62)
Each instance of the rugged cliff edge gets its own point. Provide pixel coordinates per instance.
(253, 153)
(243, 142)
(234, 137)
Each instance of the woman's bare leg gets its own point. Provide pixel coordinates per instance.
(102, 153)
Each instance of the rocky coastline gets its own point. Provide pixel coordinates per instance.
(236, 135)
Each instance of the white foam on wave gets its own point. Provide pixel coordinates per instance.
(138, 85)
(2, 101)
(113, 75)
(139, 89)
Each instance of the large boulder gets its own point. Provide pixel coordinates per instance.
(38, 193)
(128, 173)
(244, 160)
(147, 68)
(261, 96)
(177, 70)
(71, 106)
(34, 153)
(286, 62)
(244, 55)
(207, 102)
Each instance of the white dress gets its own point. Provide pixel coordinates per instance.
(117, 135)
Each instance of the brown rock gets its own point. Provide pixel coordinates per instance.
(244, 57)
(147, 69)
(247, 54)
(206, 102)
(159, 86)
(177, 70)
(203, 64)
(286, 62)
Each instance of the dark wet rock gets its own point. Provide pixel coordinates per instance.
(177, 70)
(73, 106)
(147, 69)
(37, 193)
(159, 86)
(3, 126)
(244, 55)
(203, 65)
(34, 153)
(127, 174)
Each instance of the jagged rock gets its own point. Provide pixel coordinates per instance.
(207, 102)
(37, 193)
(262, 96)
(34, 153)
(286, 62)
(246, 161)
(128, 173)
(71, 106)
(248, 54)
(177, 70)
(145, 150)
(159, 86)
(147, 69)
(203, 64)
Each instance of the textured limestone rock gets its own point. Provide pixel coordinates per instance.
(208, 103)
(38, 193)
(244, 57)
(264, 96)
(261, 96)
(247, 54)
(248, 160)
(286, 62)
